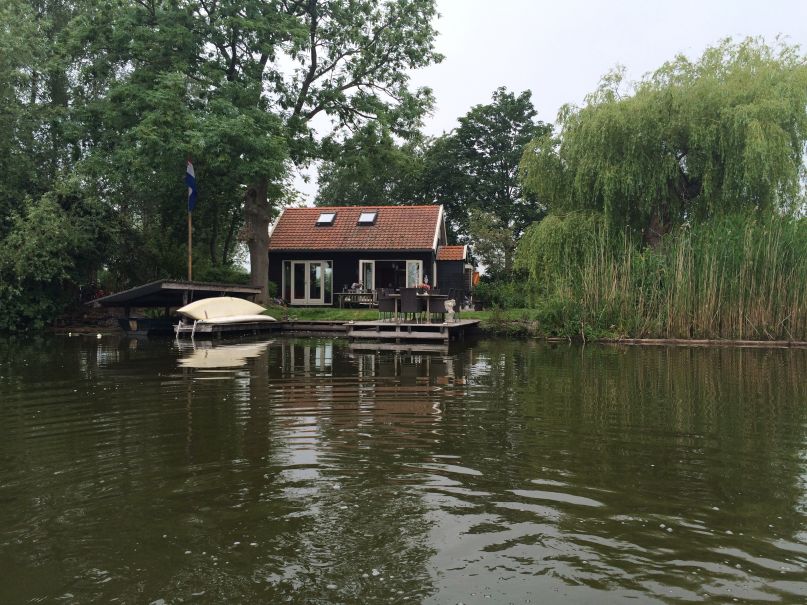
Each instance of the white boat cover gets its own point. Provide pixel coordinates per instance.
(220, 307)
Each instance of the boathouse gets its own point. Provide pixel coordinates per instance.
(319, 255)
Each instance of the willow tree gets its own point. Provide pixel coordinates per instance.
(691, 140)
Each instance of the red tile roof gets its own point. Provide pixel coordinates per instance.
(395, 228)
(452, 252)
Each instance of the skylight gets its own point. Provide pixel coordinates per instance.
(367, 218)
(326, 218)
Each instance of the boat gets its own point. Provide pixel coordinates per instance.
(223, 314)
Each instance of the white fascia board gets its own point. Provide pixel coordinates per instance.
(440, 226)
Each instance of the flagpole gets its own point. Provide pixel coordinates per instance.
(190, 248)
(190, 181)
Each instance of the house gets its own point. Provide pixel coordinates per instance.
(315, 253)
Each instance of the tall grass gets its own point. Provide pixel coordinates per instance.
(734, 277)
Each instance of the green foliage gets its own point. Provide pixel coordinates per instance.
(117, 95)
(548, 248)
(475, 168)
(371, 168)
(222, 274)
(273, 289)
(502, 294)
(690, 141)
(49, 253)
(493, 242)
(737, 276)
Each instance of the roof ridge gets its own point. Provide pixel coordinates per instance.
(325, 208)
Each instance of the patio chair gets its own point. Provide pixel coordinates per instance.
(438, 307)
(410, 303)
(386, 305)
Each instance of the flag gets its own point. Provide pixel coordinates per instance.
(190, 181)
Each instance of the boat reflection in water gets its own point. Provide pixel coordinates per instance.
(206, 355)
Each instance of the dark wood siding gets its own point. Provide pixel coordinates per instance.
(346, 263)
(450, 275)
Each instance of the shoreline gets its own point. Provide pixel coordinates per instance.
(486, 330)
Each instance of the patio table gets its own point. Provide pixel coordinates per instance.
(427, 295)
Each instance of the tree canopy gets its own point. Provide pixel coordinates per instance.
(370, 167)
(688, 141)
(473, 171)
(114, 97)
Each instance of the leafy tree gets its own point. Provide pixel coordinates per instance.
(689, 141)
(371, 168)
(352, 59)
(476, 167)
(494, 242)
(165, 97)
(445, 181)
(233, 84)
(54, 244)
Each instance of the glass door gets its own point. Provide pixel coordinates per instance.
(367, 274)
(299, 279)
(311, 282)
(414, 273)
(315, 283)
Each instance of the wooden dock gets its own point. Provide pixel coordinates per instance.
(390, 332)
(207, 330)
(315, 326)
(399, 332)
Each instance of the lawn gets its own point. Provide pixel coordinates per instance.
(336, 314)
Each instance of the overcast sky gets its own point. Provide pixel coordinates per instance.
(559, 49)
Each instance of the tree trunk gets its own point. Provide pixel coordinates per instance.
(658, 226)
(256, 234)
(226, 251)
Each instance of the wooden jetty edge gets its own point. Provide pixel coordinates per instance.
(399, 332)
(357, 331)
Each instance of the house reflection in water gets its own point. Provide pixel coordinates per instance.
(360, 385)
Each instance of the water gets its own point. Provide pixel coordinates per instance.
(304, 471)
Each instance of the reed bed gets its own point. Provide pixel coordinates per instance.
(734, 277)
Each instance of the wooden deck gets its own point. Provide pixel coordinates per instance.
(398, 332)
